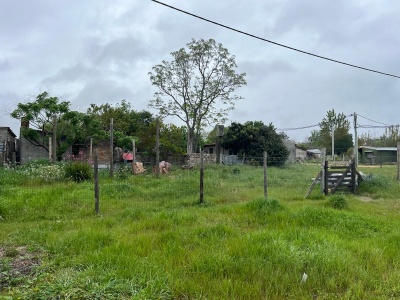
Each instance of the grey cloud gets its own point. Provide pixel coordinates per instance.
(98, 51)
(78, 72)
(4, 64)
(102, 91)
(321, 18)
(125, 51)
(259, 71)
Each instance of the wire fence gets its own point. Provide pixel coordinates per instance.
(43, 193)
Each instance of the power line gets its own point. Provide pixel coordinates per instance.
(376, 126)
(373, 120)
(297, 128)
(272, 42)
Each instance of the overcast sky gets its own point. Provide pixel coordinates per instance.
(99, 51)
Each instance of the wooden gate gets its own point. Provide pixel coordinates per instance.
(340, 178)
(337, 178)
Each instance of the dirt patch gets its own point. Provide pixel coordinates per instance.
(16, 263)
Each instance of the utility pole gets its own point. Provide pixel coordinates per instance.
(54, 140)
(355, 140)
(333, 142)
(158, 148)
(111, 147)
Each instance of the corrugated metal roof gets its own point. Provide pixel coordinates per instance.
(381, 148)
(315, 151)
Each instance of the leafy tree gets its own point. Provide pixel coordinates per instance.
(390, 137)
(172, 140)
(128, 124)
(72, 127)
(78, 128)
(314, 140)
(365, 139)
(198, 84)
(341, 126)
(251, 139)
(39, 114)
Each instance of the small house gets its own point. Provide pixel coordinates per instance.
(296, 154)
(8, 145)
(314, 153)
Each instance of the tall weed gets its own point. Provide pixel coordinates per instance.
(78, 171)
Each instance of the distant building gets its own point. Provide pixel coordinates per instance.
(29, 150)
(8, 146)
(314, 153)
(296, 154)
(212, 149)
(377, 155)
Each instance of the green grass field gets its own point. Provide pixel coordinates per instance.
(152, 239)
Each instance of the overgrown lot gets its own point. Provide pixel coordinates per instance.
(152, 239)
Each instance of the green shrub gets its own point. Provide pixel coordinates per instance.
(338, 202)
(236, 171)
(78, 171)
(262, 206)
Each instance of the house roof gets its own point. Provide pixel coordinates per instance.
(9, 130)
(379, 148)
(314, 151)
(210, 145)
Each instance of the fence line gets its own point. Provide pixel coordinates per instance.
(29, 193)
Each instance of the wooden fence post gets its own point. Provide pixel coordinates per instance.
(96, 182)
(326, 186)
(54, 140)
(398, 160)
(134, 156)
(323, 159)
(158, 148)
(50, 150)
(265, 176)
(201, 176)
(91, 150)
(111, 147)
(353, 176)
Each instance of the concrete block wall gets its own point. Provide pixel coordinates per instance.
(29, 152)
(194, 159)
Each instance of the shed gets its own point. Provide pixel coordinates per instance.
(314, 153)
(377, 155)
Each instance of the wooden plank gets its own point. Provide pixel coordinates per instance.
(333, 190)
(313, 184)
(359, 176)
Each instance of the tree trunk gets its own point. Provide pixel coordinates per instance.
(190, 141)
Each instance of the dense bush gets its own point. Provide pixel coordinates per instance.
(78, 171)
